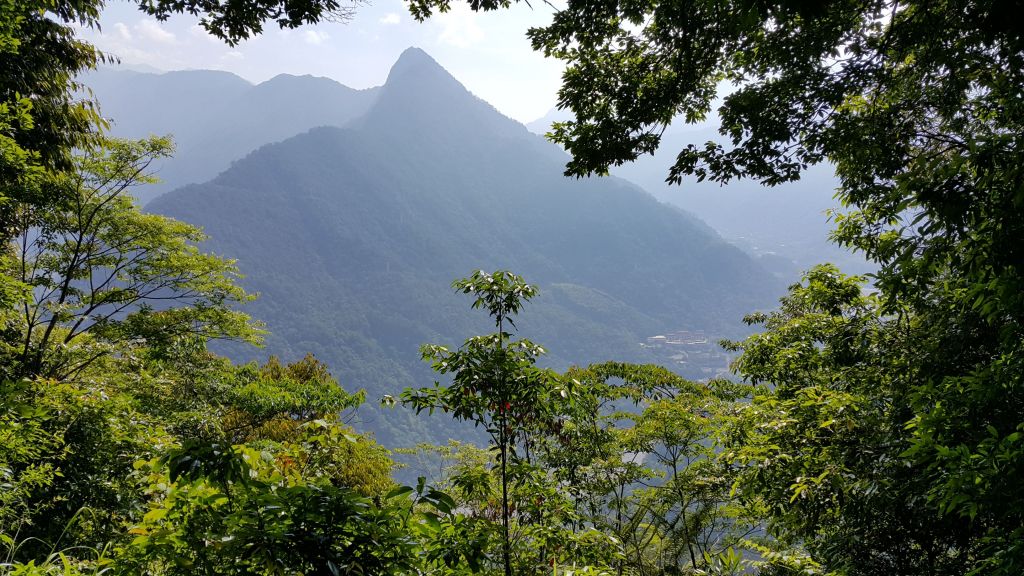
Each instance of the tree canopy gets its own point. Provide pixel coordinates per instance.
(917, 105)
(237, 21)
(102, 276)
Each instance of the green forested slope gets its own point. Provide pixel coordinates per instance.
(351, 236)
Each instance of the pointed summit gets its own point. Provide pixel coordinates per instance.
(420, 95)
(416, 73)
(414, 60)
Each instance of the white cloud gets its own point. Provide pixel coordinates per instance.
(233, 55)
(123, 32)
(459, 27)
(390, 18)
(315, 37)
(152, 31)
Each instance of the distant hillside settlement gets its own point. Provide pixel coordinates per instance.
(692, 354)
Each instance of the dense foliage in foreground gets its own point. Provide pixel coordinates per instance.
(899, 440)
(888, 439)
(157, 457)
(129, 448)
(154, 456)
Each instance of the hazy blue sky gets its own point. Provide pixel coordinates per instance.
(489, 53)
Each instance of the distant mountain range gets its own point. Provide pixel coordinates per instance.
(217, 117)
(353, 235)
(785, 226)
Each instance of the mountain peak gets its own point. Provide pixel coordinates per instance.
(420, 95)
(416, 66)
(414, 56)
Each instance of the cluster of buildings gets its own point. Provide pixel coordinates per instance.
(691, 354)
(680, 338)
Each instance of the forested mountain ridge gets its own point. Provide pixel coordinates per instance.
(352, 236)
(218, 117)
